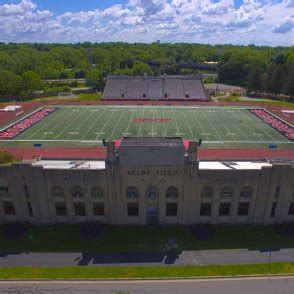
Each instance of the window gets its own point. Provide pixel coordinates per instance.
(152, 193)
(187, 95)
(165, 95)
(98, 209)
(273, 211)
(224, 208)
(8, 208)
(30, 209)
(60, 208)
(172, 192)
(57, 191)
(205, 209)
(96, 192)
(277, 192)
(291, 209)
(144, 95)
(246, 192)
(132, 192)
(171, 209)
(227, 192)
(243, 208)
(122, 95)
(77, 192)
(207, 192)
(133, 209)
(4, 190)
(79, 209)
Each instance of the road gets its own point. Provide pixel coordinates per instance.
(201, 257)
(263, 285)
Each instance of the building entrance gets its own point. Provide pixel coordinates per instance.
(152, 214)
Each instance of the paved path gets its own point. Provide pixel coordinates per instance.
(279, 285)
(201, 257)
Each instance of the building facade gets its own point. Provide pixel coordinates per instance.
(147, 181)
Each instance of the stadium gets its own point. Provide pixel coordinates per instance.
(153, 151)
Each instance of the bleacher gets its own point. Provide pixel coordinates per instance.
(154, 88)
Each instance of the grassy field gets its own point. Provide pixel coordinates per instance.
(88, 125)
(144, 272)
(142, 239)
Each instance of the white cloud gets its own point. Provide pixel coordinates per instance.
(208, 21)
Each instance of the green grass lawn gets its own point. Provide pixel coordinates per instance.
(67, 238)
(83, 126)
(144, 272)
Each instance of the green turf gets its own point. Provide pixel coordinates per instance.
(87, 125)
(150, 272)
(67, 238)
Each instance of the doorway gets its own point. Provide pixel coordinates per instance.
(152, 214)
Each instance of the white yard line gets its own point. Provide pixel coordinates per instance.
(189, 126)
(126, 132)
(203, 131)
(165, 134)
(239, 129)
(104, 125)
(140, 130)
(94, 124)
(117, 123)
(40, 129)
(71, 123)
(176, 121)
(212, 125)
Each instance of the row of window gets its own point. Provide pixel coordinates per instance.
(77, 192)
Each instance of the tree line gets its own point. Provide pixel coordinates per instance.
(24, 67)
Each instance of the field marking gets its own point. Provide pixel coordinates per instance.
(212, 125)
(173, 111)
(163, 113)
(189, 125)
(86, 141)
(72, 123)
(263, 129)
(112, 112)
(96, 120)
(43, 127)
(199, 123)
(140, 130)
(117, 123)
(21, 119)
(240, 129)
(126, 132)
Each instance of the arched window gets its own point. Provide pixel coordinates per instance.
(77, 192)
(227, 192)
(172, 192)
(132, 192)
(4, 189)
(57, 191)
(96, 192)
(207, 192)
(246, 192)
(152, 193)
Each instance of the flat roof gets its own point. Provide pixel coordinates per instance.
(152, 141)
(232, 165)
(71, 164)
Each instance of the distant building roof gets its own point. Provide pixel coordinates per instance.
(154, 88)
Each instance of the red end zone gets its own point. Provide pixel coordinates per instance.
(14, 130)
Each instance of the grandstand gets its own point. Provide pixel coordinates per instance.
(155, 88)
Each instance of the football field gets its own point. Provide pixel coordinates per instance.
(80, 126)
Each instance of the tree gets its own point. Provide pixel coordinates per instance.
(31, 82)
(9, 83)
(289, 83)
(275, 78)
(254, 81)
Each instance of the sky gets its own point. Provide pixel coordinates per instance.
(259, 22)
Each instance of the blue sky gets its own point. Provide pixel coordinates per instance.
(260, 22)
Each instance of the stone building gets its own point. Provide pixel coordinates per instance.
(147, 181)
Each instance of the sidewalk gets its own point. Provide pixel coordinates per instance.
(201, 257)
